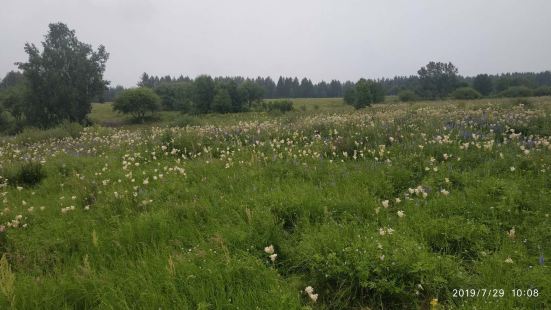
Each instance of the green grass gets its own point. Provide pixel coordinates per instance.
(151, 216)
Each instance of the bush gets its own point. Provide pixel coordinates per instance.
(27, 174)
(137, 102)
(543, 91)
(7, 122)
(407, 96)
(466, 93)
(276, 105)
(517, 91)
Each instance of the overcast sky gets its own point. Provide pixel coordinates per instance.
(319, 39)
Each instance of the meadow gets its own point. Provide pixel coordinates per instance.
(396, 206)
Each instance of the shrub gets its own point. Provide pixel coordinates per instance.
(516, 91)
(466, 93)
(407, 96)
(543, 91)
(276, 105)
(26, 174)
(7, 122)
(137, 102)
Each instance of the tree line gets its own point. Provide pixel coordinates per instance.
(285, 87)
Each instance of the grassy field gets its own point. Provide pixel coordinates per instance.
(397, 206)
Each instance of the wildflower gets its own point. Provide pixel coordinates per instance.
(401, 214)
(19, 188)
(273, 257)
(444, 192)
(509, 260)
(512, 168)
(434, 302)
(310, 291)
(2, 228)
(382, 257)
(398, 200)
(447, 180)
(511, 233)
(385, 203)
(269, 249)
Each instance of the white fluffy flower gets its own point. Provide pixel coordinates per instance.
(269, 249)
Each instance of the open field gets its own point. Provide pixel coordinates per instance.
(389, 207)
(103, 114)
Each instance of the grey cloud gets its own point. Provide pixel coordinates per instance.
(320, 39)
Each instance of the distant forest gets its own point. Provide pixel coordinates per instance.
(293, 87)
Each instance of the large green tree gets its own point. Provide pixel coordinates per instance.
(62, 78)
(12, 78)
(222, 102)
(483, 84)
(364, 93)
(250, 93)
(203, 94)
(137, 102)
(437, 80)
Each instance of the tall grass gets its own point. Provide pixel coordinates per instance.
(392, 207)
